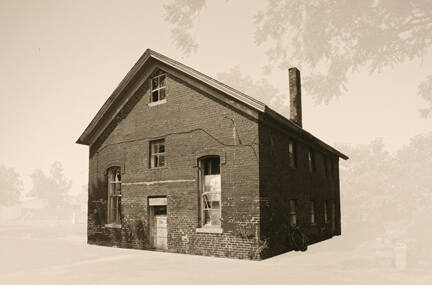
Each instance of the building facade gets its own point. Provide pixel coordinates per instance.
(180, 162)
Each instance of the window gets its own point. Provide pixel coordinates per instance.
(292, 154)
(157, 153)
(293, 212)
(312, 212)
(330, 171)
(311, 161)
(158, 86)
(333, 214)
(326, 218)
(114, 195)
(211, 191)
(326, 167)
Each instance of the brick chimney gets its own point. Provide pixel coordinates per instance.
(295, 96)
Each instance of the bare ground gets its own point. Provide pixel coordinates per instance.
(47, 252)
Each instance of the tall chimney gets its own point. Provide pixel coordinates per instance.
(295, 96)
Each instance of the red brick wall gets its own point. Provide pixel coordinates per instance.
(193, 123)
(280, 183)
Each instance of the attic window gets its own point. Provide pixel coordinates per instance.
(158, 88)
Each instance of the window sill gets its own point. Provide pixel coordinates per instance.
(113, 226)
(157, 168)
(157, 103)
(211, 230)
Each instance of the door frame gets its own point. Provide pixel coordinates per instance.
(155, 202)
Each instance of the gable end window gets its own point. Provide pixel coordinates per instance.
(157, 153)
(292, 152)
(158, 88)
(210, 189)
(114, 196)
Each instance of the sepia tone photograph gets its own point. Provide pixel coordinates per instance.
(216, 142)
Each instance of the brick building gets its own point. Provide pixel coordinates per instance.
(180, 162)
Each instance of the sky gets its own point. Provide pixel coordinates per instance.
(60, 61)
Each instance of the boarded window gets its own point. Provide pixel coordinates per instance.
(293, 212)
(157, 153)
(292, 152)
(158, 88)
(114, 195)
(211, 191)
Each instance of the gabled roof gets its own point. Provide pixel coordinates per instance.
(86, 137)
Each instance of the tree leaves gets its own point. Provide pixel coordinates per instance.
(336, 38)
(53, 188)
(331, 38)
(10, 186)
(181, 15)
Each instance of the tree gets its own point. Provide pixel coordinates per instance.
(258, 89)
(331, 38)
(53, 188)
(10, 186)
(181, 14)
(382, 191)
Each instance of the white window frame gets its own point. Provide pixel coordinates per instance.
(114, 197)
(216, 197)
(155, 157)
(160, 89)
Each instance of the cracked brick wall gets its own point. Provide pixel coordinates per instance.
(193, 124)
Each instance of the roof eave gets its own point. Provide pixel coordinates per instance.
(85, 137)
(299, 129)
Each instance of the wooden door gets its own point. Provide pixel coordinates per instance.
(161, 232)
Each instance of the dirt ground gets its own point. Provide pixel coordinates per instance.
(46, 252)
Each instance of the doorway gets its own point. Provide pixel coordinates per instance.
(158, 223)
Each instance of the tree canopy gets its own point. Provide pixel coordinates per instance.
(10, 186)
(331, 38)
(53, 188)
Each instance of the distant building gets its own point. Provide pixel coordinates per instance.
(180, 162)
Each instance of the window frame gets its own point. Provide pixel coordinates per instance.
(313, 219)
(114, 197)
(333, 213)
(292, 154)
(293, 206)
(158, 89)
(311, 161)
(203, 206)
(326, 167)
(153, 155)
(326, 214)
